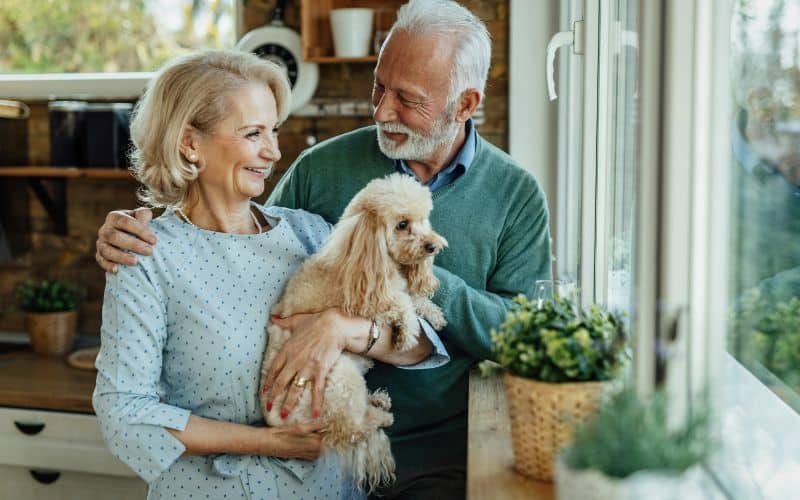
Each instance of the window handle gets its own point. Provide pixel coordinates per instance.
(574, 37)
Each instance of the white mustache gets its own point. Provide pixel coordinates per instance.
(395, 128)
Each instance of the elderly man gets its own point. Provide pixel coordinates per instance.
(429, 80)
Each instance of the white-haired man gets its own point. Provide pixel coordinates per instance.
(429, 80)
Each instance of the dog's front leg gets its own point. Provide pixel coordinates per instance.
(429, 311)
(405, 325)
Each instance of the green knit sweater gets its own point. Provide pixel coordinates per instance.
(495, 220)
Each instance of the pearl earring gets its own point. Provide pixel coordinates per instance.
(192, 157)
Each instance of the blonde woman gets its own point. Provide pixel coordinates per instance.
(185, 328)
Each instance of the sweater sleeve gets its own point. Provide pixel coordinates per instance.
(523, 257)
(126, 398)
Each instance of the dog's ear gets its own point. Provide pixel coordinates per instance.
(359, 253)
(420, 277)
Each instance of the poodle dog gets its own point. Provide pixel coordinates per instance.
(377, 263)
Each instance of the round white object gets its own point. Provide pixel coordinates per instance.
(281, 45)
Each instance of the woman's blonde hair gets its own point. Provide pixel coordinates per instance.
(192, 91)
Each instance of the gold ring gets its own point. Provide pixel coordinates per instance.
(300, 381)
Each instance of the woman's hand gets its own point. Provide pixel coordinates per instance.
(301, 440)
(316, 343)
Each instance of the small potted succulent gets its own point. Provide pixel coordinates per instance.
(558, 360)
(51, 318)
(629, 450)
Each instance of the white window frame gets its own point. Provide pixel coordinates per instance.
(121, 85)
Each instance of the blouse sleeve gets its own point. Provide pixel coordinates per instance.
(127, 395)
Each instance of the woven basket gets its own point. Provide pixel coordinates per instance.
(52, 334)
(542, 417)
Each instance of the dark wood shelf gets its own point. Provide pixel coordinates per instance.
(66, 172)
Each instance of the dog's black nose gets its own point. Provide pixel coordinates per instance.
(430, 247)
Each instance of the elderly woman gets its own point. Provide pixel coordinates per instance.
(184, 330)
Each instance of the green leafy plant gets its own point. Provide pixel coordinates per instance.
(559, 342)
(47, 296)
(766, 331)
(628, 435)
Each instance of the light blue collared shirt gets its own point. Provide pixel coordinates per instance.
(455, 169)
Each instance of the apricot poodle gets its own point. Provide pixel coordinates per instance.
(377, 263)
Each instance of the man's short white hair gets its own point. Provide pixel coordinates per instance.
(473, 50)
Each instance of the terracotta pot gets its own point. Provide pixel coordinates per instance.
(52, 334)
(542, 417)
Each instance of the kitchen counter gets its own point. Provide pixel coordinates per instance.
(28, 380)
(490, 459)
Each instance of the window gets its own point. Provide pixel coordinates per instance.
(764, 329)
(48, 45)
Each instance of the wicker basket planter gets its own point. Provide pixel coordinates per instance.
(52, 334)
(542, 417)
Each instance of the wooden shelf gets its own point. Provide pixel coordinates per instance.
(315, 26)
(66, 172)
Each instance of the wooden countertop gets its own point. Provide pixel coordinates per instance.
(490, 475)
(28, 380)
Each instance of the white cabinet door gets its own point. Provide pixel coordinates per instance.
(21, 483)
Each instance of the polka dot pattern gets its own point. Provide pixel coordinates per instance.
(184, 333)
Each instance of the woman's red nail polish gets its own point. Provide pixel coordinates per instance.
(284, 414)
(316, 413)
(269, 406)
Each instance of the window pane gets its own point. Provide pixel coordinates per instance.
(765, 245)
(86, 36)
(622, 125)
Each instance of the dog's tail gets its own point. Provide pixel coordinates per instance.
(369, 460)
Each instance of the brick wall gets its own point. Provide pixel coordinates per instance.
(44, 254)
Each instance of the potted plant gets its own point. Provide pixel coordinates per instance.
(628, 450)
(558, 360)
(51, 318)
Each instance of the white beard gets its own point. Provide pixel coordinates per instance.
(418, 146)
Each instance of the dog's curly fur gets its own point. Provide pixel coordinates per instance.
(377, 263)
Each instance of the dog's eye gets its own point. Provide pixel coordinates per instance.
(402, 225)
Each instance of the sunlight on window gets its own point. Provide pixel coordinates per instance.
(108, 36)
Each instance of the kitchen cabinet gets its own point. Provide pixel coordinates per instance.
(52, 454)
(315, 26)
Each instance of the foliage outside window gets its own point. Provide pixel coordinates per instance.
(765, 138)
(108, 36)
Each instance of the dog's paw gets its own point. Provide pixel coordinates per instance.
(380, 399)
(436, 318)
(431, 313)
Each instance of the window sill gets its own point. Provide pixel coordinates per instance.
(74, 86)
(760, 455)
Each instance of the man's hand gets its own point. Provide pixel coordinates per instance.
(124, 231)
(316, 343)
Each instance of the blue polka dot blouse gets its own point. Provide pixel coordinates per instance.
(184, 333)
